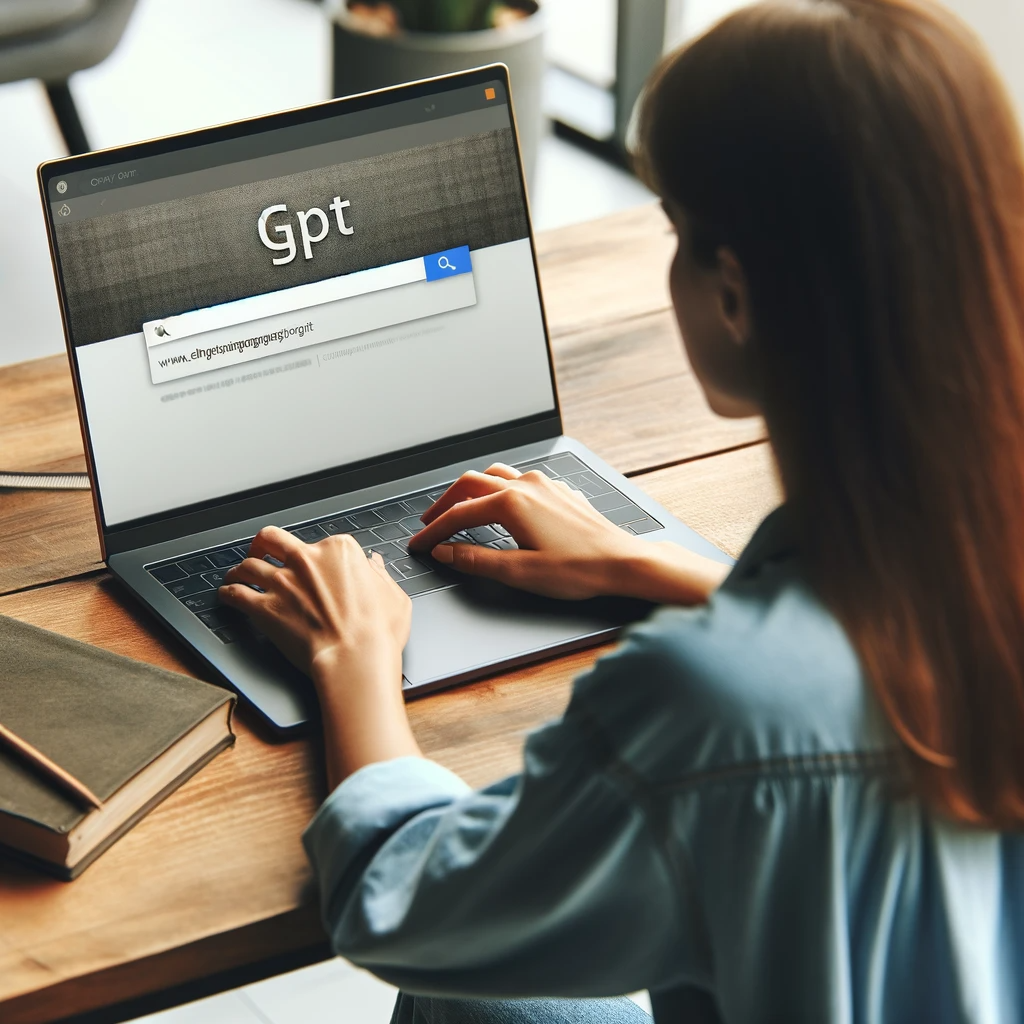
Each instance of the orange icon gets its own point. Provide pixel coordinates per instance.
(489, 94)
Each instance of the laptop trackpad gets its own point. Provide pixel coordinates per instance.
(479, 626)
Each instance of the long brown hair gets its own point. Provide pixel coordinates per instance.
(862, 160)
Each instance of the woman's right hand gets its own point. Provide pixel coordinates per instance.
(566, 548)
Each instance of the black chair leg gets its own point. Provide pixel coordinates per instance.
(67, 117)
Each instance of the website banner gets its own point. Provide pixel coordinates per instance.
(131, 267)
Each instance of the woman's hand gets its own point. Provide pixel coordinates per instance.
(567, 549)
(339, 617)
(328, 601)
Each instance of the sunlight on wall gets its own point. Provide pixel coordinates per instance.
(1000, 23)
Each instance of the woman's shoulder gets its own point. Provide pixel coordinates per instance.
(762, 672)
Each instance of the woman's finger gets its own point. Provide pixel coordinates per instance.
(516, 568)
(241, 598)
(503, 470)
(253, 571)
(277, 543)
(478, 512)
(469, 485)
(377, 564)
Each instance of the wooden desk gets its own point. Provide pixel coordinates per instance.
(213, 888)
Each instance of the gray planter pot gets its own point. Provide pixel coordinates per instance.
(363, 62)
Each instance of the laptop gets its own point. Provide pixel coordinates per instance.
(319, 319)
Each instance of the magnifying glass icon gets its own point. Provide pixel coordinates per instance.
(444, 263)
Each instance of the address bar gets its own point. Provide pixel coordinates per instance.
(287, 300)
(310, 314)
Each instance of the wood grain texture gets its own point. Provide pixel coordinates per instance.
(38, 420)
(604, 271)
(723, 498)
(624, 382)
(629, 394)
(195, 887)
(47, 535)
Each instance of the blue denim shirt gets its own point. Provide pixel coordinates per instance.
(717, 818)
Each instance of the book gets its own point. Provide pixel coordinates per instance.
(131, 732)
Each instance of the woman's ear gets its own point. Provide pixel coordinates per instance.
(733, 297)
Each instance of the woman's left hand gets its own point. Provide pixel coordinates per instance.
(339, 617)
(326, 602)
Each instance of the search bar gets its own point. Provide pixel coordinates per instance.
(309, 314)
(256, 307)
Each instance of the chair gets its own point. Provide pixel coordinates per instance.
(51, 39)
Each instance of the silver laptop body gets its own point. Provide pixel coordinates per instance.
(318, 319)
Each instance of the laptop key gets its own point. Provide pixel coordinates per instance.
(590, 484)
(201, 602)
(390, 531)
(423, 584)
(188, 586)
(225, 559)
(412, 523)
(623, 516)
(389, 552)
(503, 544)
(393, 512)
(168, 573)
(216, 617)
(410, 567)
(394, 573)
(339, 525)
(198, 564)
(366, 538)
(364, 520)
(606, 502)
(647, 525)
(227, 635)
(214, 579)
(420, 503)
(482, 534)
(563, 465)
(310, 534)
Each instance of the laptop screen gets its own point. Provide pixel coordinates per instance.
(300, 298)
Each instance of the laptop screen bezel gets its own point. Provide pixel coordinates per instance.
(235, 507)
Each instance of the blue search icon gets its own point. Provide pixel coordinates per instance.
(448, 263)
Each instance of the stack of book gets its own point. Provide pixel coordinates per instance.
(90, 742)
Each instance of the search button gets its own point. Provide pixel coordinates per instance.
(448, 263)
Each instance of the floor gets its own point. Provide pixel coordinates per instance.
(168, 76)
(183, 64)
(334, 992)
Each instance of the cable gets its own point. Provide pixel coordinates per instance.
(44, 481)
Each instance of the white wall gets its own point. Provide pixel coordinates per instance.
(1000, 23)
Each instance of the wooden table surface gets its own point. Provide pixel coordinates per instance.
(215, 878)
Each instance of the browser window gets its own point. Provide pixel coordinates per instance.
(252, 312)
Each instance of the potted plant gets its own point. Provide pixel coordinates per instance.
(378, 43)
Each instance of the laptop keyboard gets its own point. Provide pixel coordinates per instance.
(386, 529)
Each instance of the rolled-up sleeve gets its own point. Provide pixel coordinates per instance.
(548, 883)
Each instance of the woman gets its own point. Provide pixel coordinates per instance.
(797, 799)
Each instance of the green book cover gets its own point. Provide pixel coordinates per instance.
(99, 716)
